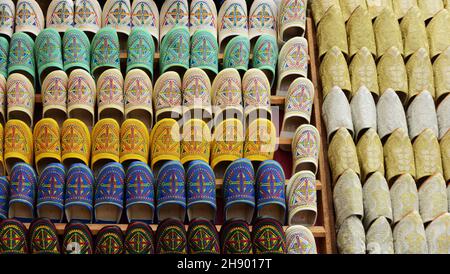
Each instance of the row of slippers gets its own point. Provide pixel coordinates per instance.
(267, 237)
(233, 19)
(175, 191)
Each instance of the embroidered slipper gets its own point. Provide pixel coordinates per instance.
(205, 51)
(363, 73)
(110, 100)
(265, 56)
(21, 56)
(293, 63)
(141, 50)
(404, 197)
(4, 52)
(171, 192)
(18, 144)
(138, 97)
(81, 97)
(260, 141)
(445, 153)
(390, 114)
(302, 199)
(262, 20)
(174, 13)
(134, 142)
(414, 32)
(443, 115)
(398, 156)
(235, 238)
(370, 154)
(175, 50)
(364, 112)
(227, 145)
(227, 96)
(13, 237)
(167, 98)
(43, 237)
(387, 34)
(203, 16)
(145, 14)
(7, 17)
(379, 238)
(375, 7)
(4, 197)
(164, 143)
(76, 50)
(268, 237)
(50, 193)
(321, 7)
(409, 235)
(140, 193)
(421, 115)
(22, 192)
(202, 237)
(351, 238)
(77, 239)
(117, 14)
(109, 193)
(331, 32)
(75, 143)
(298, 109)
(377, 200)
(334, 73)
(360, 32)
(195, 141)
(79, 194)
(47, 145)
(432, 198)
(392, 74)
(400, 8)
(291, 20)
(436, 29)
(237, 53)
(438, 230)
(270, 195)
(48, 51)
(232, 22)
(420, 74)
(60, 15)
(239, 190)
(139, 239)
(427, 155)
(300, 240)
(342, 154)
(20, 98)
(88, 16)
(54, 96)
(171, 238)
(305, 149)
(256, 95)
(440, 75)
(105, 51)
(109, 241)
(3, 91)
(201, 191)
(197, 95)
(105, 143)
(29, 17)
(429, 9)
(349, 7)
(2, 162)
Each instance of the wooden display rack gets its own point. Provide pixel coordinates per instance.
(323, 231)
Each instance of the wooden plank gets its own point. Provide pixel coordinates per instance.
(318, 231)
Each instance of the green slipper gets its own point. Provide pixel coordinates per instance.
(48, 52)
(237, 54)
(175, 51)
(76, 49)
(141, 50)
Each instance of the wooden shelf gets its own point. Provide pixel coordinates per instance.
(318, 231)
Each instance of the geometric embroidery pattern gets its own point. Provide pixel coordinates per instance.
(88, 15)
(81, 91)
(237, 53)
(77, 239)
(110, 184)
(54, 91)
(144, 13)
(50, 189)
(260, 141)
(203, 16)
(294, 58)
(139, 239)
(110, 91)
(201, 184)
(20, 96)
(228, 142)
(23, 185)
(268, 237)
(306, 145)
(171, 185)
(141, 50)
(75, 141)
(18, 141)
(140, 185)
(174, 13)
(7, 13)
(76, 47)
(203, 237)
(79, 186)
(21, 54)
(270, 182)
(117, 14)
(43, 237)
(256, 92)
(239, 183)
(167, 92)
(292, 14)
(4, 197)
(204, 51)
(134, 141)
(300, 98)
(165, 141)
(265, 54)
(195, 141)
(48, 51)
(29, 17)
(109, 241)
(300, 241)
(196, 89)
(138, 96)
(105, 141)
(4, 51)
(13, 237)
(60, 15)
(171, 238)
(232, 20)
(47, 145)
(302, 194)
(262, 19)
(235, 238)
(105, 49)
(175, 49)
